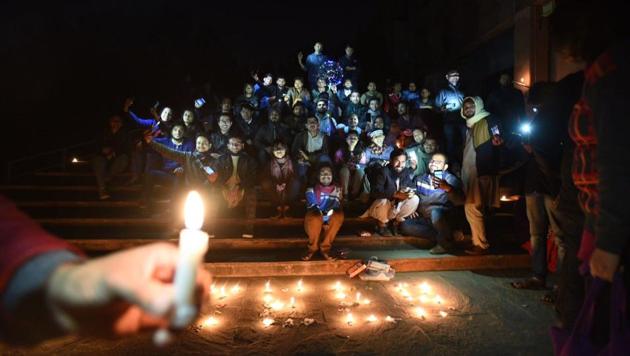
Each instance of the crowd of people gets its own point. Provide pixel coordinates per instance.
(327, 145)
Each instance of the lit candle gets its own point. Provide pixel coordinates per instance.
(366, 301)
(277, 305)
(349, 319)
(213, 288)
(425, 288)
(299, 285)
(423, 299)
(420, 312)
(210, 321)
(267, 322)
(371, 318)
(389, 319)
(443, 314)
(193, 244)
(340, 295)
(236, 289)
(338, 286)
(268, 287)
(223, 295)
(267, 298)
(437, 299)
(358, 298)
(75, 160)
(292, 302)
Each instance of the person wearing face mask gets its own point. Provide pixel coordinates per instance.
(280, 181)
(350, 162)
(324, 214)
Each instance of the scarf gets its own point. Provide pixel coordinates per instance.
(322, 191)
(479, 127)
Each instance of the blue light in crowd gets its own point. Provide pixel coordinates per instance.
(526, 128)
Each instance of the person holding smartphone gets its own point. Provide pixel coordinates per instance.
(439, 192)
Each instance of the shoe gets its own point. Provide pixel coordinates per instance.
(308, 256)
(395, 228)
(103, 194)
(477, 251)
(438, 250)
(248, 232)
(384, 231)
(327, 257)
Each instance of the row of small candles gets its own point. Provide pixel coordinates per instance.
(426, 297)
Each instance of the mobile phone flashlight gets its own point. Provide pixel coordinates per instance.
(526, 128)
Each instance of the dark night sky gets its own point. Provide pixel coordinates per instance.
(68, 66)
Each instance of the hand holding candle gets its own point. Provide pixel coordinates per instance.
(193, 244)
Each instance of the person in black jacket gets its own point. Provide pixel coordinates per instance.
(269, 133)
(237, 179)
(480, 168)
(392, 193)
(113, 157)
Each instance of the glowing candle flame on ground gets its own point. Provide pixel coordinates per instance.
(420, 312)
(267, 322)
(75, 160)
(213, 288)
(299, 285)
(423, 299)
(425, 288)
(358, 297)
(235, 289)
(267, 298)
(366, 301)
(389, 319)
(338, 286)
(372, 318)
(438, 299)
(268, 287)
(223, 295)
(210, 321)
(292, 302)
(193, 211)
(277, 305)
(340, 295)
(349, 319)
(443, 314)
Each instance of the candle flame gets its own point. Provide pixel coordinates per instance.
(349, 319)
(210, 321)
(340, 295)
(299, 285)
(358, 298)
(338, 286)
(75, 160)
(223, 295)
(420, 312)
(267, 322)
(425, 288)
(372, 318)
(389, 319)
(438, 299)
(268, 287)
(267, 298)
(193, 211)
(292, 302)
(236, 289)
(443, 314)
(213, 288)
(277, 305)
(366, 301)
(423, 299)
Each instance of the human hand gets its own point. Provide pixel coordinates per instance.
(119, 294)
(153, 112)
(300, 55)
(148, 136)
(414, 215)
(441, 184)
(604, 264)
(497, 140)
(128, 103)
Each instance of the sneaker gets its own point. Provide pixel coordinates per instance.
(308, 256)
(248, 232)
(327, 257)
(438, 250)
(384, 231)
(477, 251)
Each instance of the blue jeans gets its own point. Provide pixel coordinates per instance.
(435, 227)
(539, 214)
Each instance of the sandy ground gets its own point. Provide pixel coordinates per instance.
(485, 317)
